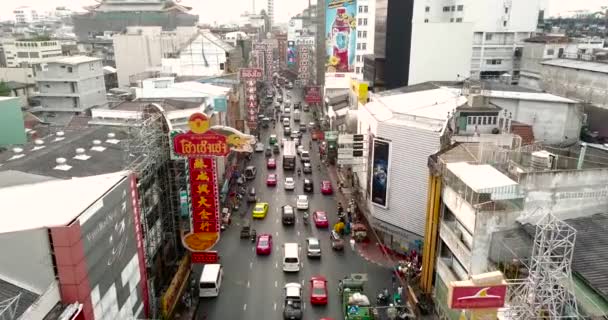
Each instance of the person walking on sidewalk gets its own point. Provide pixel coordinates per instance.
(352, 243)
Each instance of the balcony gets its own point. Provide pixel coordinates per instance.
(451, 236)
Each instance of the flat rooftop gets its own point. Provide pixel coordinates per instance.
(578, 64)
(481, 178)
(72, 59)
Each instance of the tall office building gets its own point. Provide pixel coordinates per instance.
(271, 14)
(365, 33)
(492, 30)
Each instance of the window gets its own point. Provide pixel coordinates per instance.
(360, 9)
(364, 21)
(493, 120)
(427, 9)
(453, 8)
(550, 52)
(365, 9)
(446, 9)
(364, 34)
(364, 46)
(451, 19)
(22, 55)
(458, 19)
(359, 21)
(34, 55)
(494, 61)
(484, 119)
(358, 69)
(358, 58)
(488, 36)
(359, 34)
(358, 46)
(504, 23)
(70, 69)
(426, 20)
(91, 66)
(460, 7)
(506, 10)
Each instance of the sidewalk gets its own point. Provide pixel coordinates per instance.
(370, 250)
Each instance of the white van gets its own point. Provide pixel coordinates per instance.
(285, 122)
(296, 116)
(291, 257)
(211, 280)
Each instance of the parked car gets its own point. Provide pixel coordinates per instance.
(326, 187)
(318, 290)
(337, 243)
(259, 147)
(320, 219)
(251, 196)
(264, 244)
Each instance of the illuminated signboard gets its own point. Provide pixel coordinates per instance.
(205, 257)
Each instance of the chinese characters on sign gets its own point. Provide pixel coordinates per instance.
(303, 62)
(205, 257)
(249, 77)
(312, 94)
(204, 193)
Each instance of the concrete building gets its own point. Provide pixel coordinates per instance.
(150, 45)
(70, 85)
(488, 191)
(365, 33)
(402, 55)
(23, 53)
(270, 13)
(413, 121)
(25, 15)
(232, 37)
(204, 55)
(541, 48)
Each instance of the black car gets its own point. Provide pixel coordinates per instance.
(288, 216)
(308, 186)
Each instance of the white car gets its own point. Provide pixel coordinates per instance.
(300, 149)
(290, 183)
(302, 202)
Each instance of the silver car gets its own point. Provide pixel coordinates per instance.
(313, 248)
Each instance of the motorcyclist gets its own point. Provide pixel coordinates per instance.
(306, 217)
(299, 171)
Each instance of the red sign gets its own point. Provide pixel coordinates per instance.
(206, 226)
(198, 145)
(478, 297)
(312, 94)
(205, 257)
(252, 124)
(251, 73)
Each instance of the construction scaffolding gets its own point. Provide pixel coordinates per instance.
(158, 181)
(8, 308)
(548, 291)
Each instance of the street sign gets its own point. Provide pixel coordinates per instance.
(252, 112)
(350, 138)
(352, 161)
(251, 105)
(252, 124)
(353, 309)
(252, 117)
(331, 135)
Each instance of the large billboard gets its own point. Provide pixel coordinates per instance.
(291, 53)
(380, 172)
(340, 30)
(109, 239)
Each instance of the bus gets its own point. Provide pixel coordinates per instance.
(289, 155)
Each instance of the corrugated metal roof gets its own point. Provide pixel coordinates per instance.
(9, 290)
(578, 64)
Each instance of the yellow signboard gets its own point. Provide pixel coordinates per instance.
(175, 289)
(360, 90)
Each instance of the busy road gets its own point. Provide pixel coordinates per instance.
(253, 284)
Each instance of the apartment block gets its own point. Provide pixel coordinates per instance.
(28, 53)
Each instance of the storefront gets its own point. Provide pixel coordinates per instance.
(396, 239)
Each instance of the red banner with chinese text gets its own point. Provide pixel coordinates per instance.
(204, 194)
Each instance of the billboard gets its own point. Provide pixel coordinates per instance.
(312, 94)
(340, 30)
(294, 29)
(380, 172)
(304, 59)
(476, 297)
(109, 239)
(291, 53)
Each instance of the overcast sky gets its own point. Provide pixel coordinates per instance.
(225, 10)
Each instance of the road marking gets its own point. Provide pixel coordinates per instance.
(248, 284)
(277, 233)
(276, 284)
(302, 282)
(244, 307)
(250, 265)
(252, 249)
(304, 306)
(276, 265)
(275, 306)
(277, 221)
(298, 233)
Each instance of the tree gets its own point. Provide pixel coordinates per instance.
(5, 91)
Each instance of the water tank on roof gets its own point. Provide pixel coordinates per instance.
(543, 160)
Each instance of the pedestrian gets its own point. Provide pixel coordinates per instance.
(400, 291)
(352, 243)
(393, 278)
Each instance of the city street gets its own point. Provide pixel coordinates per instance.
(253, 285)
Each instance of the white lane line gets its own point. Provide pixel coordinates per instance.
(304, 306)
(244, 307)
(252, 249)
(302, 282)
(298, 233)
(276, 265)
(276, 284)
(277, 233)
(275, 306)
(250, 265)
(277, 221)
(248, 284)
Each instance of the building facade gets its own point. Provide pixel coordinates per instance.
(365, 33)
(28, 53)
(25, 15)
(71, 84)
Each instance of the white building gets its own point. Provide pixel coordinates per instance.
(232, 37)
(295, 28)
(499, 29)
(204, 55)
(25, 15)
(71, 85)
(28, 53)
(365, 33)
(150, 45)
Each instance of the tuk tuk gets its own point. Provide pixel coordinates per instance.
(359, 232)
(245, 231)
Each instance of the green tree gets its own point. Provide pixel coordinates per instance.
(5, 91)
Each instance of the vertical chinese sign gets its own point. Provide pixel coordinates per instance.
(303, 63)
(249, 78)
(200, 146)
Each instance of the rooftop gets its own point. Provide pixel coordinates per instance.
(578, 64)
(534, 96)
(41, 158)
(55, 201)
(548, 39)
(167, 104)
(481, 178)
(9, 290)
(72, 60)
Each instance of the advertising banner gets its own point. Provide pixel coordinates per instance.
(304, 58)
(340, 24)
(291, 53)
(250, 74)
(204, 195)
(380, 172)
(205, 257)
(477, 297)
(312, 94)
(220, 104)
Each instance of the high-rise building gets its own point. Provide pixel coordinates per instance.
(270, 14)
(483, 37)
(365, 33)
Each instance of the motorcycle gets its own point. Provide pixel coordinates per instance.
(305, 218)
(299, 172)
(382, 297)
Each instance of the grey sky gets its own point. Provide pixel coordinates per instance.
(225, 10)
